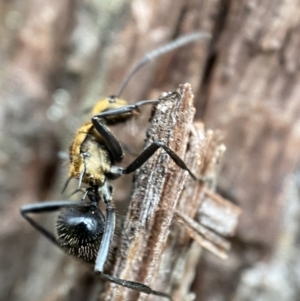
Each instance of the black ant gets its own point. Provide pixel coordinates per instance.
(82, 229)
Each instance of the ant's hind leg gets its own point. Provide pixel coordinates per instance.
(43, 207)
(103, 254)
(137, 286)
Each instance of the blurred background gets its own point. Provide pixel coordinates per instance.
(57, 58)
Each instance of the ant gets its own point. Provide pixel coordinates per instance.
(82, 230)
(95, 149)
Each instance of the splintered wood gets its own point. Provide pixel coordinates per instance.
(171, 216)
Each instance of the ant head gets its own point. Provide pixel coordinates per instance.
(108, 103)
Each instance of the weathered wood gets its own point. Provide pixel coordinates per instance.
(152, 245)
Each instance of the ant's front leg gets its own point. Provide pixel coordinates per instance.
(125, 109)
(110, 141)
(133, 107)
(148, 153)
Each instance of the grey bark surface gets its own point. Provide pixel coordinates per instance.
(59, 57)
(161, 222)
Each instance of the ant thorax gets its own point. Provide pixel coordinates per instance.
(89, 159)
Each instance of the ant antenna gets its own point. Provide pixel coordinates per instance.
(160, 51)
(66, 184)
(76, 191)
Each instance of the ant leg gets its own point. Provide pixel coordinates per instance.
(132, 107)
(137, 286)
(43, 208)
(149, 151)
(66, 184)
(110, 141)
(106, 238)
(103, 253)
(125, 109)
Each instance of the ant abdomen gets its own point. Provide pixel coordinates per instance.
(79, 231)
